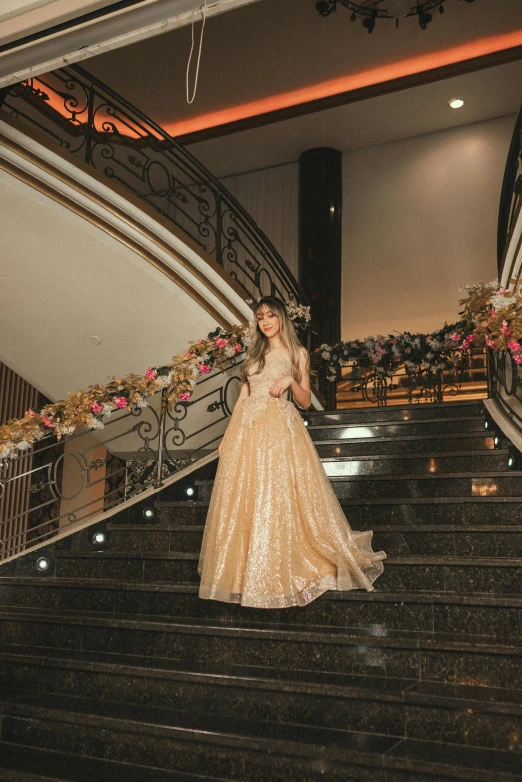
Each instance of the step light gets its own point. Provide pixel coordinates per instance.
(511, 462)
(99, 538)
(497, 441)
(486, 424)
(43, 564)
(456, 103)
(148, 513)
(190, 491)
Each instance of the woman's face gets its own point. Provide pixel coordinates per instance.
(267, 321)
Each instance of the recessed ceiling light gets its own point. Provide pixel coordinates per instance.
(96, 340)
(456, 103)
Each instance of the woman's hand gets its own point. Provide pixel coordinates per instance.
(280, 386)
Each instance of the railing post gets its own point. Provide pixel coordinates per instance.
(89, 126)
(219, 229)
(4, 92)
(158, 481)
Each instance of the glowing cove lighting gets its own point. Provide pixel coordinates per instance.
(349, 83)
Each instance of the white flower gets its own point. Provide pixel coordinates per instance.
(498, 301)
(107, 409)
(325, 355)
(142, 403)
(229, 351)
(95, 423)
(429, 355)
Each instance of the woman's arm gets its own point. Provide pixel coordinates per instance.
(301, 391)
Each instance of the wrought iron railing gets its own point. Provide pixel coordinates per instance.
(94, 123)
(467, 379)
(74, 481)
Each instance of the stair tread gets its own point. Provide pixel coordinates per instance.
(402, 559)
(374, 635)
(417, 455)
(418, 596)
(304, 741)
(313, 682)
(15, 758)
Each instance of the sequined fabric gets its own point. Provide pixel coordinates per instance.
(275, 534)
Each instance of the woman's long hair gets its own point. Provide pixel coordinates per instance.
(260, 344)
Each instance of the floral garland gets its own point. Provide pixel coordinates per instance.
(90, 408)
(491, 316)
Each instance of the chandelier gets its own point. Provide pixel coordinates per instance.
(371, 10)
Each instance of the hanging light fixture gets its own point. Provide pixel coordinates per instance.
(372, 10)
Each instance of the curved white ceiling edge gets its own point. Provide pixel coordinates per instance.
(117, 29)
(99, 189)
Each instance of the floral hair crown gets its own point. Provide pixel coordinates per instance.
(298, 313)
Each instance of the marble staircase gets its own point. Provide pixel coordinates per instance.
(112, 667)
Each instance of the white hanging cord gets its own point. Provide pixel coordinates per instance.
(204, 18)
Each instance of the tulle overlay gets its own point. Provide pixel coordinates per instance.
(275, 534)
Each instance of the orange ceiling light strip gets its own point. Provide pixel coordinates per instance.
(348, 83)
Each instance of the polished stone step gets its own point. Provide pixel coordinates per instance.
(371, 651)
(243, 751)
(15, 759)
(372, 705)
(369, 512)
(433, 445)
(415, 464)
(407, 427)
(370, 487)
(401, 572)
(397, 413)
(466, 612)
(489, 541)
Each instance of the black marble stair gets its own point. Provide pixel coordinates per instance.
(111, 656)
(249, 750)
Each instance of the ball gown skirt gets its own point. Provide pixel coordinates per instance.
(275, 533)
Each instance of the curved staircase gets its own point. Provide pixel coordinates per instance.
(113, 668)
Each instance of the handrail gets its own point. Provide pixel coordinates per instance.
(78, 480)
(510, 193)
(89, 119)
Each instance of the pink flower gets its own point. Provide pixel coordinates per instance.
(188, 353)
(96, 408)
(515, 346)
(30, 413)
(489, 342)
(455, 337)
(204, 368)
(492, 313)
(184, 396)
(504, 329)
(221, 342)
(238, 348)
(120, 401)
(152, 373)
(47, 422)
(518, 358)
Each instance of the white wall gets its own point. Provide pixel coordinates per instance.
(419, 222)
(271, 198)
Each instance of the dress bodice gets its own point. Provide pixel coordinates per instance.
(260, 385)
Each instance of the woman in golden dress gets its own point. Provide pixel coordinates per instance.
(275, 534)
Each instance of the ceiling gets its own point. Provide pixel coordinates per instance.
(274, 50)
(489, 93)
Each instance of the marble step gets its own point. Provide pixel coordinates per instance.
(427, 445)
(440, 612)
(406, 427)
(372, 705)
(371, 651)
(415, 464)
(397, 413)
(454, 484)
(367, 513)
(405, 572)
(16, 759)
(449, 540)
(240, 750)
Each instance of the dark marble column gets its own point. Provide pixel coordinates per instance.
(320, 209)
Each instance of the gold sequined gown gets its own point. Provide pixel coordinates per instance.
(275, 533)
